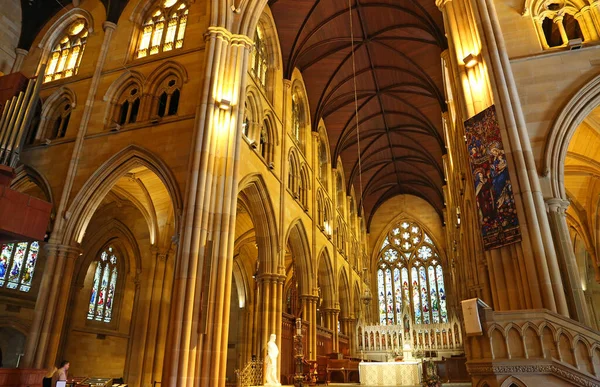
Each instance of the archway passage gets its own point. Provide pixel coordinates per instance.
(398, 82)
(582, 186)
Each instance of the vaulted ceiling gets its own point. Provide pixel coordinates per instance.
(398, 82)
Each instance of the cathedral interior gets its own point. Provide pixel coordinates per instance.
(403, 192)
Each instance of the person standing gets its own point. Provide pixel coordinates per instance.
(61, 373)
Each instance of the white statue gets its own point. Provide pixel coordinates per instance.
(271, 361)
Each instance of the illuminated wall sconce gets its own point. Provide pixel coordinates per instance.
(225, 104)
(470, 61)
(457, 217)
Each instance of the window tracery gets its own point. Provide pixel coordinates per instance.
(410, 276)
(298, 119)
(17, 265)
(168, 97)
(164, 29)
(128, 106)
(66, 54)
(259, 64)
(56, 126)
(104, 286)
(559, 22)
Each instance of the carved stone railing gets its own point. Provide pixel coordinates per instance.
(425, 337)
(533, 348)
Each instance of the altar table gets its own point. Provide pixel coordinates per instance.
(389, 374)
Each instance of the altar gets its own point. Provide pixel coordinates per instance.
(390, 373)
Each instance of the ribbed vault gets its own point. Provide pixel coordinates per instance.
(399, 88)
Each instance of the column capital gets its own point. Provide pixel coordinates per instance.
(69, 251)
(21, 51)
(228, 36)
(108, 25)
(557, 205)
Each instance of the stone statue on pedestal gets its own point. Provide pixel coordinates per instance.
(271, 362)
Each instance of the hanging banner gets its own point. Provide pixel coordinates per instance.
(493, 190)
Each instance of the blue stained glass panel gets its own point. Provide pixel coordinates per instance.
(435, 314)
(7, 250)
(415, 294)
(389, 297)
(424, 297)
(381, 294)
(398, 292)
(32, 256)
(17, 266)
(441, 289)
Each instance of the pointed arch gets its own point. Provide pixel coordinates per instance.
(102, 181)
(254, 193)
(298, 241)
(344, 293)
(581, 104)
(128, 88)
(27, 177)
(56, 114)
(326, 279)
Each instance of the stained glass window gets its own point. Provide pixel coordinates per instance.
(297, 119)
(103, 288)
(164, 29)
(17, 265)
(66, 54)
(410, 277)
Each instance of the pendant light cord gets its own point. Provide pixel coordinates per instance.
(356, 105)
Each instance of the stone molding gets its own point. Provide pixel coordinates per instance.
(556, 370)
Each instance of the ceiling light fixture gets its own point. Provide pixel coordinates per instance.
(470, 61)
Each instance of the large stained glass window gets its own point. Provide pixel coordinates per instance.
(103, 287)
(17, 265)
(164, 29)
(259, 61)
(66, 54)
(410, 275)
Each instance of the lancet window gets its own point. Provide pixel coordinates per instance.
(129, 106)
(103, 288)
(298, 119)
(410, 276)
(66, 54)
(164, 29)
(17, 265)
(59, 120)
(259, 64)
(168, 98)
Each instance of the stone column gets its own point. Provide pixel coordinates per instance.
(309, 306)
(335, 314)
(43, 340)
(20, 55)
(557, 215)
(59, 225)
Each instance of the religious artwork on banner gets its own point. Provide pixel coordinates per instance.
(493, 190)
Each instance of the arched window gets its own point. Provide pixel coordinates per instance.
(168, 98)
(298, 119)
(303, 188)
(339, 185)
(327, 226)
(259, 65)
(293, 175)
(410, 275)
(246, 122)
(265, 143)
(320, 210)
(103, 288)
(128, 106)
(323, 162)
(164, 29)
(59, 120)
(17, 265)
(67, 52)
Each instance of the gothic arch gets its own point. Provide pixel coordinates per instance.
(253, 192)
(57, 27)
(26, 176)
(18, 324)
(298, 241)
(344, 294)
(164, 70)
(571, 116)
(513, 381)
(326, 279)
(116, 90)
(102, 181)
(115, 230)
(50, 108)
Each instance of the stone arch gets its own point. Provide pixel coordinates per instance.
(298, 242)
(49, 106)
(102, 181)
(116, 90)
(513, 381)
(565, 125)
(326, 279)
(344, 293)
(165, 69)
(58, 27)
(27, 178)
(253, 191)
(115, 230)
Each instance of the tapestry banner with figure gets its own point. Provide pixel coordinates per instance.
(493, 190)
